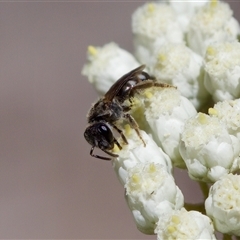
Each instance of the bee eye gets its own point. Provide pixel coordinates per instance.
(103, 128)
(105, 131)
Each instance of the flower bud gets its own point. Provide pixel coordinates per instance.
(181, 224)
(151, 193)
(106, 65)
(166, 112)
(222, 78)
(178, 65)
(135, 152)
(228, 112)
(223, 204)
(185, 10)
(208, 150)
(154, 24)
(214, 22)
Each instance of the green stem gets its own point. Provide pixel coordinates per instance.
(204, 188)
(227, 237)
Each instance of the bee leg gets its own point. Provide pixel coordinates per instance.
(163, 85)
(142, 85)
(122, 136)
(112, 154)
(148, 84)
(117, 143)
(134, 125)
(100, 157)
(127, 108)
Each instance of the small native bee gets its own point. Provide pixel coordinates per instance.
(110, 108)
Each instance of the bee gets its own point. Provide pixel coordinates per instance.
(110, 109)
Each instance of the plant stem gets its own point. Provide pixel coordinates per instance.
(196, 207)
(227, 237)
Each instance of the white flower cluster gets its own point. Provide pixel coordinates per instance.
(151, 193)
(153, 25)
(228, 112)
(208, 149)
(191, 44)
(222, 66)
(192, 48)
(212, 23)
(223, 204)
(166, 113)
(178, 65)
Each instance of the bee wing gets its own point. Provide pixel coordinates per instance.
(117, 86)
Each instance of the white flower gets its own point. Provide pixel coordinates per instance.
(178, 65)
(151, 193)
(154, 24)
(222, 78)
(223, 204)
(212, 23)
(229, 113)
(166, 112)
(106, 65)
(208, 150)
(185, 10)
(135, 152)
(181, 224)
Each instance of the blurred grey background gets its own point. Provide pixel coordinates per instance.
(49, 185)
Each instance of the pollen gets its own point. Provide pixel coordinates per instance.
(202, 118)
(175, 219)
(171, 229)
(115, 148)
(211, 51)
(152, 168)
(135, 102)
(135, 178)
(161, 58)
(212, 111)
(92, 50)
(148, 94)
(151, 7)
(214, 3)
(127, 129)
